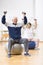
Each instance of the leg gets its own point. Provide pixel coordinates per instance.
(25, 42)
(10, 43)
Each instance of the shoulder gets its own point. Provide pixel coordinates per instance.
(19, 25)
(12, 25)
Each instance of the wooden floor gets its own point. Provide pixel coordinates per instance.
(35, 59)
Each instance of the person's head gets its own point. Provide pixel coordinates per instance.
(29, 25)
(15, 20)
(24, 13)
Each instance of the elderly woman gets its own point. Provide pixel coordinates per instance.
(29, 33)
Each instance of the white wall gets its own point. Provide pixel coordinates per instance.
(34, 9)
(39, 16)
(14, 8)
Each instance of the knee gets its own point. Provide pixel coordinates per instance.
(10, 40)
(26, 40)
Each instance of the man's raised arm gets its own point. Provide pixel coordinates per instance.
(3, 17)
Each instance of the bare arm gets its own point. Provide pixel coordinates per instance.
(35, 24)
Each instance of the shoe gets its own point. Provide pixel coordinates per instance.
(9, 55)
(27, 54)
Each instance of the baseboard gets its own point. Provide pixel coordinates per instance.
(3, 41)
(41, 41)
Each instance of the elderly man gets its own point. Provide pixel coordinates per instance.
(14, 34)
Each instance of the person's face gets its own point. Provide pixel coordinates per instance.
(15, 20)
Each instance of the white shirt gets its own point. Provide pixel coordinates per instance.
(27, 33)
